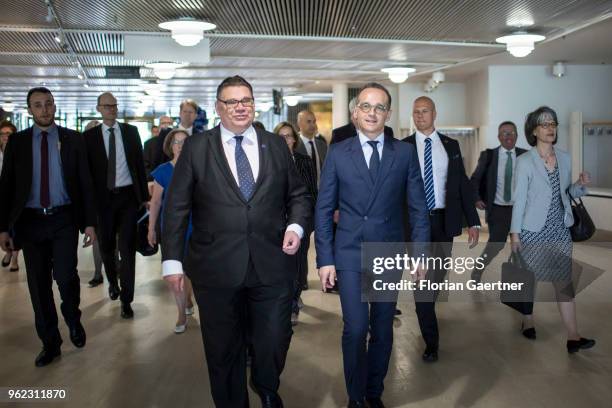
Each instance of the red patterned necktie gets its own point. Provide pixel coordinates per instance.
(45, 200)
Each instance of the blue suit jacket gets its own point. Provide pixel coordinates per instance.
(369, 211)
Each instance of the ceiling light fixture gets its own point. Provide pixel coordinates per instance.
(438, 77)
(398, 74)
(165, 70)
(8, 106)
(521, 43)
(187, 31)
(292, 100)
(558, 69)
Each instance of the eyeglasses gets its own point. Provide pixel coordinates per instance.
(233, 103)
(551, 125)
(108, 106)
(508, 133)
(367, 108)
(178, 142)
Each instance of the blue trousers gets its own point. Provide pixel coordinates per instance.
(365, 365)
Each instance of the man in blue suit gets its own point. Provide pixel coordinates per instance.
(372, 179)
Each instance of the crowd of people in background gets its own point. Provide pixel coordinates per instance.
(234, 208)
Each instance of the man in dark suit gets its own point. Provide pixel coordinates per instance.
(311, 146)
(46, 199)
(344, 132)
(188, 113)
(249, 209)
(116, 164)
(371, 179)
(450, 198)
(493, 182)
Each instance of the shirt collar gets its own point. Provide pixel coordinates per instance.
(250, 136)
(420, 137)
(306, 140)
(105, 128)
(189, 129)
(50, 130)
(503, 149)
(363, 139)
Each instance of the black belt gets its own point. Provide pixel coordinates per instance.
(503, 206)
(48, 211)
(437, 211)
(119, 190)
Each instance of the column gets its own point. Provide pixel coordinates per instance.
(340, 104)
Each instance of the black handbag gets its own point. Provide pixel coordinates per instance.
(142, 245)
(515, 271)
(583, 227)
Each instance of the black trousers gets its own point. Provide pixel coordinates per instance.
(499, 228)
(226, 315)
(117, 226)
(49, 244)
(425, 300)
(301, 258)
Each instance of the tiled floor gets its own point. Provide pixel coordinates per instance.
(484, 361)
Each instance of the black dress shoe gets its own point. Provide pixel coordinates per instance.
(95, 282)
(574, 346)
(46, 356)
(113, 291)
(126, 311)
(271, 401)
(529, 333)
(77, 335)
(6, 261)
(430, 355)
(375, 403)
(305, 286)
(356, 404)
(398, 312)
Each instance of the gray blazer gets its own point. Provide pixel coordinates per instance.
(533, 192)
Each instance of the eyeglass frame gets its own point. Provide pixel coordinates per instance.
(378, 109)
(233, 103)
(546, 125)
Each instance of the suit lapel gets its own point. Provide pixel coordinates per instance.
(63, 147)
(263, 146)
(219, 155)
(29, 161)
(386, 163)
(539, 165)
(359, 162)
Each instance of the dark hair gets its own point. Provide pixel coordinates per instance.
(170, 139)
(508, 122)
(154, 126)
(534, 119)
(38, 89)
(235, 80)
(375, 85)
(258, 125)
(6, 123)
(281, 125)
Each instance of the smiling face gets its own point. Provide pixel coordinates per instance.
(370, 120)
(507, 136)
(239, 117)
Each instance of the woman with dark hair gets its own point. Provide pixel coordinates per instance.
(162, 176)
(542, 216)
(6, 130)
(305, 167)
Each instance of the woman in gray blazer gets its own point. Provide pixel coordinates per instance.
(542, 216)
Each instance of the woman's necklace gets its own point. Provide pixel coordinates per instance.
(548, 157)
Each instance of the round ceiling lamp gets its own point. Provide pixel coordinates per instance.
(520, 44)
(165, 70)
(292, 100)
(398, 74)
(187, 31)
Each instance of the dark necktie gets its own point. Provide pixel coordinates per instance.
(45, 200)
(508, 178)
(374, 160)
(246, 181)
(111, 173)
(313, 156)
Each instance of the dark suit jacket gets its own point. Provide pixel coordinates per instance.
(16, 179)
(346, 131)
(321, 147)
(98, 163)
(148, 152)
(369, 211)
(486, 175)
(227, 229)
(459, 193)
(157, 155)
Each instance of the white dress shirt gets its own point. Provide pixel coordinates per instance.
(189, 130)
(367, 149)
(123, 177)
(251, 149)
(1, 160)
(439, 160)
(501, 173)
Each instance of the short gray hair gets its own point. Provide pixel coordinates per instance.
(352, 105)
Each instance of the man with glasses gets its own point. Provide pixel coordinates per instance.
(116, 163)
(373, 179)
(349, 130)
(449, 198)
(46, 198)
(249, 208)
(493, 182)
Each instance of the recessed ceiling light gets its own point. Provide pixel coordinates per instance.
(187, 31)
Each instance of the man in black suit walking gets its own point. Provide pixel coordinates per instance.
(46, 198)
(249, 209)
(116, 164)
(493, 182)
(449, 197)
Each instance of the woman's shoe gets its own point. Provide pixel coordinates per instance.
(189, 311)
(180, 328)
(529, 333)
(6, 261)
(573, 346)
(15, 269)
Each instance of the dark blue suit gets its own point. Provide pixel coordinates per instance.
(370, 211)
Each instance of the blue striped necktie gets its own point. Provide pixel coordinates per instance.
(246, 181)
(430, 194)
